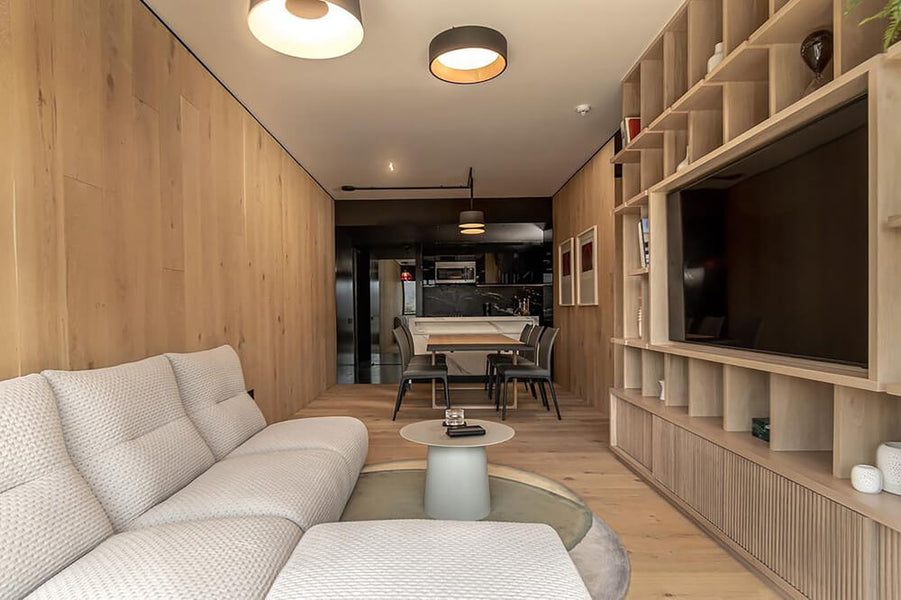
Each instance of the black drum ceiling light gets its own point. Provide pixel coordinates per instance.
(469, 54)
(307, 28)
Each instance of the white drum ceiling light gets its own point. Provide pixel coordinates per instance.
(307, 28)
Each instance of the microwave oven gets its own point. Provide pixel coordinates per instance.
(455, 272)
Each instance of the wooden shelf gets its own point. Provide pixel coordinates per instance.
(702, 96)
(893, 388)
(811, 469)
(647, 139)
(670, 120)
(638, 272)
(853, 377)
(626, 155)
(793, 22)
(830, 96)
(745, 63)
(894, 222)
(894, 52)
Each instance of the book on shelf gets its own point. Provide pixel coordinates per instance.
(644, 246)
(630, 127)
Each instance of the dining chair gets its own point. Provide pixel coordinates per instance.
(526, 357)
(538, 372)
(493, 359)
(416, 371)
(418, 358)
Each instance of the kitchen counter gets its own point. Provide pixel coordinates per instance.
(465, 363)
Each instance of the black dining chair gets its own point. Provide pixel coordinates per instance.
(529, 336)
(416, 371)
(440, 359)
(539, 373)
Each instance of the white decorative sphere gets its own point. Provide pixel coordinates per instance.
(888, 459)
(866, 479)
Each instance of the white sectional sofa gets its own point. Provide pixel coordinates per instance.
(160, 479)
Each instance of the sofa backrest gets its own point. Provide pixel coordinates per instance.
(212, 387)
(48, 515)
(127, 432)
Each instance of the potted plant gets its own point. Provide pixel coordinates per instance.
(891, 13)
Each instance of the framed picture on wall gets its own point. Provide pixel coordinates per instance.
(586, 277)
(567, 277)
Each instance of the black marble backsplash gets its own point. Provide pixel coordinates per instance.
(469, 300)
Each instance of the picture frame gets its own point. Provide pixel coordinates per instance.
(587, 267)
(566, 266)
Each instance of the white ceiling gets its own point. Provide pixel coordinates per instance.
(344, 119)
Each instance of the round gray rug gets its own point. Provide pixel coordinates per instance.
(394, 490)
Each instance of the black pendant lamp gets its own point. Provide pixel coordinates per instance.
(472, 222)
(469, 54)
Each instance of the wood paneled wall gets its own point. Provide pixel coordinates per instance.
(584, 356)
(143, 210)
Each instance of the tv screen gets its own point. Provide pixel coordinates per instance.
(771, 253)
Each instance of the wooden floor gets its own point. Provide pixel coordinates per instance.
(671, 557)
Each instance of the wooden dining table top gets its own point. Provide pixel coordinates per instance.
(473, 341)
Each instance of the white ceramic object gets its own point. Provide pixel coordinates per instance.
(718, 56)
(888, 459)
(866, 479)
(662, 389)
(684, 162)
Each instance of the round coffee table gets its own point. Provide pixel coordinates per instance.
(456, 481)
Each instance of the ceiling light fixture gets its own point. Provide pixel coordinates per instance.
(469, 54)
(472, 222)
(307, 28)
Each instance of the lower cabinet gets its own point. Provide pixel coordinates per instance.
(816, 546)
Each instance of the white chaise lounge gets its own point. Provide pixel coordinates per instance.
(160, 479)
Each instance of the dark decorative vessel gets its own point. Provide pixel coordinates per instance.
(816, 50)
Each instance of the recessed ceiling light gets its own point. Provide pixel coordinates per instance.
(391, 166)
(469, 54)
(307, 28)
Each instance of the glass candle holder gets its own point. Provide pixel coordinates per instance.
(453, 417)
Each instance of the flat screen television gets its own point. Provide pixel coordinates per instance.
(771, 252)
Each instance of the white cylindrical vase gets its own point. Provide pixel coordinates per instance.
(888, 459)
(866, 479)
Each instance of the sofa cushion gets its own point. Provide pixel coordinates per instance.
(128, 433)
(48, 515)
(222, 558)
(345, 435)
(304, 486)
(212, 387)
(429, 560)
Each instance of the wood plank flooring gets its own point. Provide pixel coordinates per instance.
(670, 556)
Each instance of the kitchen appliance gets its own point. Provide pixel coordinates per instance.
(455, 272)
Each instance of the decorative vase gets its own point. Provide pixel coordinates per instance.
(816, 50)
(888, 459)
(866, 479)
(684, 162)
(718, 56)
(662, 383)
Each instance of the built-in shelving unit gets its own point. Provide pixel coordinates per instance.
(694, 445)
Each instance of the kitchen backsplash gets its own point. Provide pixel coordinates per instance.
(469, 300)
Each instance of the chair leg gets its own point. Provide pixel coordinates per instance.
(446, 393)
(401, 389)
(487, 375)
(554, 396)
(504, 411)
(532, 387)
(544, 401)
(496, 386)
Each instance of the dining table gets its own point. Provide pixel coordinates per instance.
(474, 342)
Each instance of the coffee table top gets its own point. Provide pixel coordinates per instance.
(432, 433)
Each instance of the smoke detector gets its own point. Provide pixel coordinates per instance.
(583, 109)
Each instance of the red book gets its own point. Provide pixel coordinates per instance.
(633, 128)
